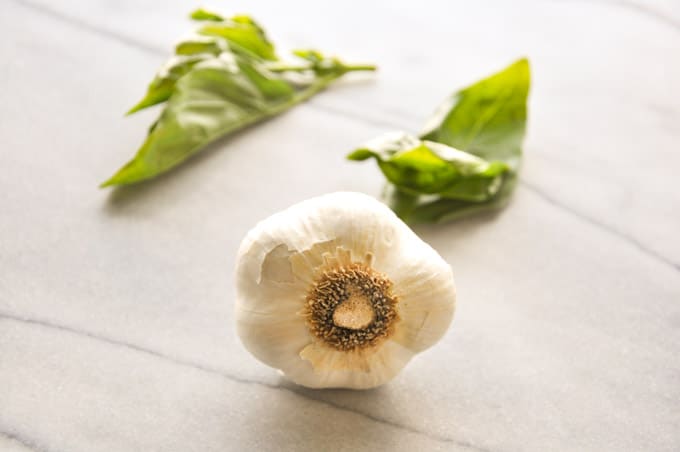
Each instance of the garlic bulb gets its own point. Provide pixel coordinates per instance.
(336, 291)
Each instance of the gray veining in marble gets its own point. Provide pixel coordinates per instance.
(115, 307)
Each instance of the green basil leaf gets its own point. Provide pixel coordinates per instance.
(221, 80)
(419, 209)
(426, 167)
(467, 158)
(487, 119)
(204, 14)
(198, 44)
(238, 34)
(161, 87)
(313, 56)
(215, 98)
(322, 64)
(244, 32)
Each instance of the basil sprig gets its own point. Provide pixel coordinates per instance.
(466, 160)
(224, 77)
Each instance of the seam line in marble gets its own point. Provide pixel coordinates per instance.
(647, 10)
(604, 227)
(220, 373)
(396, 425)
(102, 32)
(21, 440)
(354, 116)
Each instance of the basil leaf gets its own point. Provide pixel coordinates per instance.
(322, 64)
(222, 80)
(161, 86)
(201, 44)
(244, 32)
(426, 167)
(239, 34)
(487, 119)
(467, 158)
(416, 209)
(204, 14)
(215, 98)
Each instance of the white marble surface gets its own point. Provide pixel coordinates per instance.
(116, 307)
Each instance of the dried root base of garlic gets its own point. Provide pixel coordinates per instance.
(336, 291)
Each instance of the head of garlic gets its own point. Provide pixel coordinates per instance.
(336, 291)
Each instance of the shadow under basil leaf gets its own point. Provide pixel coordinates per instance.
(417, 209)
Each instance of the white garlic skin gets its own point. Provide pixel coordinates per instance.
(276, 266)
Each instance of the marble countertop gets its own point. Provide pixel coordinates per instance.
(116, 306)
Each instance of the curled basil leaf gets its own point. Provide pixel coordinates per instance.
(426, 167)
(467, 158)
(416, 208)
(222, 79)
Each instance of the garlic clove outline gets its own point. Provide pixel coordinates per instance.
(297, 270)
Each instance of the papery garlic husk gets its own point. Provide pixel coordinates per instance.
(336, 291)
